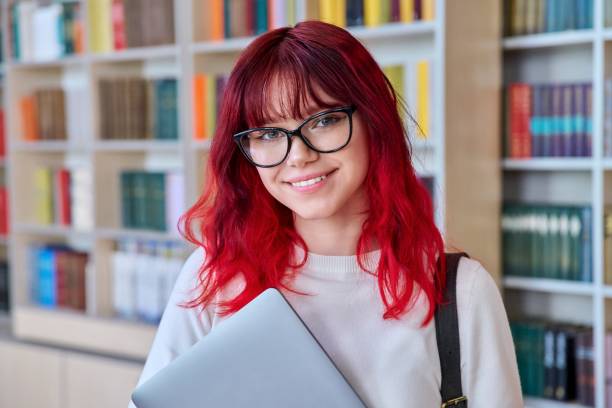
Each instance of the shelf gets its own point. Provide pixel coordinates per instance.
(120, 233)
(56, 63)
(549, 164)
(386, 31)
(607, 291)
(42, 146)
(392, 30)
(137, 145)
(607, 164)
(50, 230)
(607, 34)
(135, 54)
(549, 285)
(557, 39)
(544, 403)
(77, 330)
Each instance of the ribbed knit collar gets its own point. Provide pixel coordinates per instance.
(337, 267)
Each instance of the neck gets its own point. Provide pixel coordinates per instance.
(335, 236)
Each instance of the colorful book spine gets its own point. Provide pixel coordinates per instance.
(520, 113)
(539, 16)
(144, 273)
(548, 120)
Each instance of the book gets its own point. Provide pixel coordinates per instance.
(520, 113)
(538, 16)
(5, 300)
(143, 275)
(608, 245)
(547, 241)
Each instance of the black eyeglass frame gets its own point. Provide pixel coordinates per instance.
(349, 110)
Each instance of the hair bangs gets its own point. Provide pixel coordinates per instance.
(287, 78)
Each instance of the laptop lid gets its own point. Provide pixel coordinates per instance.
(262, 356)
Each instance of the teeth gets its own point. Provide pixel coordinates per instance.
(309, 182)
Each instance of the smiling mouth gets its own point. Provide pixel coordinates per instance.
(306, 183)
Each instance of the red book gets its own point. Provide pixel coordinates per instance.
(520, 116)
(61, 268)
(118, 24)
(3, 211)
(63, 196)
(251, 20)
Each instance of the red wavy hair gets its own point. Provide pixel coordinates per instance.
(236, 220)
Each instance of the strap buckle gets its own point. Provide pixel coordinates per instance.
(454, 402)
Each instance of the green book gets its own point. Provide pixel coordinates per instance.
(127, 199)
(139, 199)
(261, 16)
(166, 109)
(156, 202)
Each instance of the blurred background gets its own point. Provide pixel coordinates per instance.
(108, 109)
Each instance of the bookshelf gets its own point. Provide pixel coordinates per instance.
(565, 57)
(464, 218)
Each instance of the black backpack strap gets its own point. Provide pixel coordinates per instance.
(447, 336)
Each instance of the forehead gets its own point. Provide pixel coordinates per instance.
(284, 99)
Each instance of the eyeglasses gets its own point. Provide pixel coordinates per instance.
(323, 132)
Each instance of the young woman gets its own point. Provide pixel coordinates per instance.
(311, 190)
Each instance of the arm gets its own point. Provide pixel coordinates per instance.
(488, 361)
(179, 327)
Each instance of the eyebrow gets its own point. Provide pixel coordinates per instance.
(309, 113)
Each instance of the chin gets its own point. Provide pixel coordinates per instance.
(313, 213)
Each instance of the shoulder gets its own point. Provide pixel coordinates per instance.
(476, 288)
(187, 280)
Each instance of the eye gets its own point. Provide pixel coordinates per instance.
(265, 135)
(327, 120)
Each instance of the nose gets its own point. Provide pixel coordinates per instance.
(300, 153)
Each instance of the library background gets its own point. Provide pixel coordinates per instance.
(108, 111)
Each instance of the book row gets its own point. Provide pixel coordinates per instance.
(45, 32)
(523, 17)
(548, 120)
(63, 196)
(120, 24)
(546, 241)
(222, 19)
(151, 200)
(43, 115)
(412, 82)
(138, 108)
(58, 276)
(143, 275)
(5, 300)
(555, 361)
(2, 134)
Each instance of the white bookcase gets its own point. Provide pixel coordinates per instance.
(557, 57)
(462, 153)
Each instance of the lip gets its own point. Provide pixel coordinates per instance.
(308, 177)
(314, 187)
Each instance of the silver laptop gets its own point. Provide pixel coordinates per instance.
(262, 356)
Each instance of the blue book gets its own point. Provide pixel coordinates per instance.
(166, 109)
(546, 120)
(552, 19)
(588, 4)
(586, 267)
(588, 119)
(47, 277)
(567, 95)
(536, 120)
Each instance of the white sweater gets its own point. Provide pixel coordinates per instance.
(390, 363)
